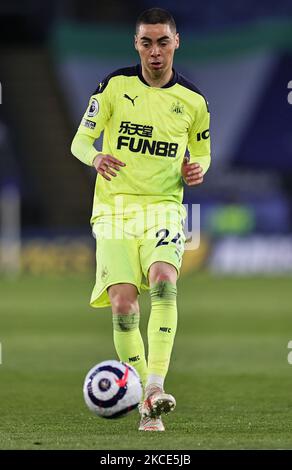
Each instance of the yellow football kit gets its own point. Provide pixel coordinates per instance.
(149, 129)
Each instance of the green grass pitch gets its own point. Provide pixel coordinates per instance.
(229, 370)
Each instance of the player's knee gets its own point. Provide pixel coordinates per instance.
(124, 305)
(162, 272)
(162, 277)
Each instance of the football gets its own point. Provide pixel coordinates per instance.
(112, 389)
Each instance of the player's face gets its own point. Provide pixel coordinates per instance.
(156, 44)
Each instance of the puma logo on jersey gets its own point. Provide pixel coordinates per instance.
(131, 99)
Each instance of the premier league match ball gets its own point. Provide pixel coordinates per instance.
(112, 389)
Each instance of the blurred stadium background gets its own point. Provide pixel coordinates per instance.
(52, 56)
(54, 53)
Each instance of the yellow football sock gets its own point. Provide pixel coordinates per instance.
(161, 327)
(129, 343)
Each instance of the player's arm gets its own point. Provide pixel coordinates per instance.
(194, 168)
(92, 124)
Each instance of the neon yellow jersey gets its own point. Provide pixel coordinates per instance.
(149, 129)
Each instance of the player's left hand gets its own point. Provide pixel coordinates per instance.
(192, 173)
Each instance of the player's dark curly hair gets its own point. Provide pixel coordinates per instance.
(155, 16)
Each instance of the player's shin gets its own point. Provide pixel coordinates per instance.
(161, 331)
(129, 343)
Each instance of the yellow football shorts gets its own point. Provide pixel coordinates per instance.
(127, 247)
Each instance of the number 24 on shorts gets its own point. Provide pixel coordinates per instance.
(163, 233)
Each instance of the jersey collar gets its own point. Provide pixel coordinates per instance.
(167, 85)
